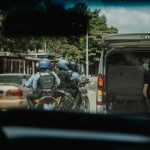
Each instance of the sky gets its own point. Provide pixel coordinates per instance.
(127, 16)
(128, 20)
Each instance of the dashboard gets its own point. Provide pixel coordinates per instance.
(74, 130)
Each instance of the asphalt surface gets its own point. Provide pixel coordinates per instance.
(92, 98)
(92, 87)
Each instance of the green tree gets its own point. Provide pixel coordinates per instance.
(96, 29)
(71, 47)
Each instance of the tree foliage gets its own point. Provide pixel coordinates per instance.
(73, 47)
(97, 28)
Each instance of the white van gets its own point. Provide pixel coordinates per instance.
(124, 60)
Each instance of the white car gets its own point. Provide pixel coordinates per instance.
(12, 93)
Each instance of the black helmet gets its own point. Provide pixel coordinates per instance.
(73, 66)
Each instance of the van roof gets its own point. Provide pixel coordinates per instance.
(126, 40)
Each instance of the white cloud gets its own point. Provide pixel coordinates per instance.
(128, 20)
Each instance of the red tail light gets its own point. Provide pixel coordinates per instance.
(100, 90)
(99, 102)
(100, 84)
(100, 81)
(14, 92)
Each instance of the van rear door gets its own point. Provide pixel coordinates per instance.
(121, 83)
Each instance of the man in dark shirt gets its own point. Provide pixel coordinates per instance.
(146, 89)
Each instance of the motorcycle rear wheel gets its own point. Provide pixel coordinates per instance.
(85, 105)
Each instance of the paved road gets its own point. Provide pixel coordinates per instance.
(92, 98)
(92, 86)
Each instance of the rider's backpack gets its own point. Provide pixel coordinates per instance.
(46, 81)
(65, 81)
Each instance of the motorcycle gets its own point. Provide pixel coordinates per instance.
(82, 103)
(64, 101)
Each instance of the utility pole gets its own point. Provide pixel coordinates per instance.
(87, 55)
(45, 47)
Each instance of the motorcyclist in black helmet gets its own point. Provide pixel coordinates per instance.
(65, 78)
(73, 70)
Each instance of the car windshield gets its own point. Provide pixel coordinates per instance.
(97, 53)
(11, 79)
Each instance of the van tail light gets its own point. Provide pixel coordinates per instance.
(14, 92)
(100, 90)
